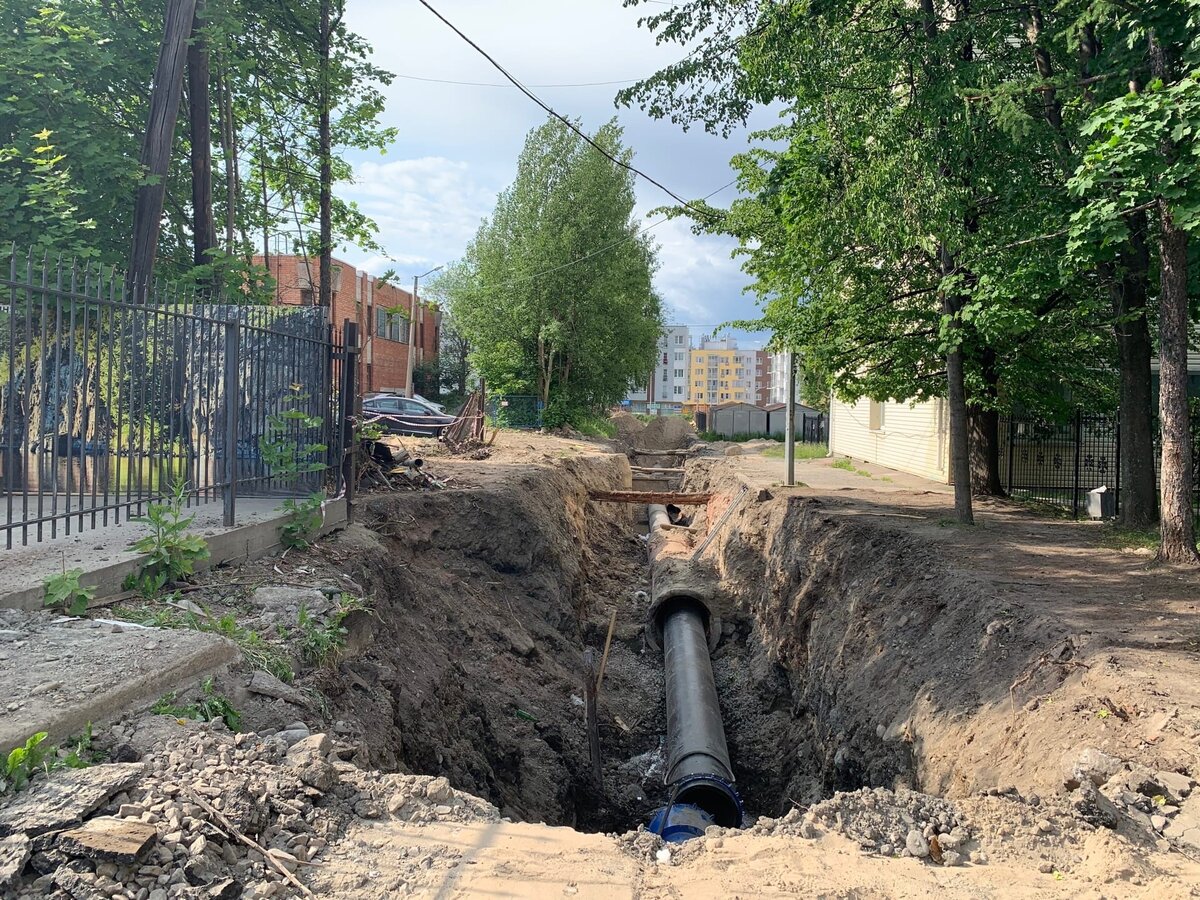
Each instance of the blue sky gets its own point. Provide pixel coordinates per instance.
(458, 144)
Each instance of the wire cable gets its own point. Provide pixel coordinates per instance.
(575, 128)
(501, 84)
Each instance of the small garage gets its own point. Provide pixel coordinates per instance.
(730, 419)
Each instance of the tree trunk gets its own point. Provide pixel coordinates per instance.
(985, 452)
(324, 151)
(956, 400)
(985, 432)
(1178, 527)
(157, 142)
(204, 229)
(229, 153)
(1139, 494)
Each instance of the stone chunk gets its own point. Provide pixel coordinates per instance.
(66, 798)
(1179, 785)
(268, 685)
(14, 853)
(109, 839)
(1093, 807)
(1089, 764)
(916, 844)
(313, 744)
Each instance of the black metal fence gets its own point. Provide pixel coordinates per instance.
(110, 397)
(515, 411)
(1060, 462)
(812, 428)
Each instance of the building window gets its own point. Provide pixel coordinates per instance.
(678, 390)
(877, 415)
(679, 339)
(392, 326)
(679, 373)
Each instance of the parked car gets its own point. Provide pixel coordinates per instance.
(404, 415)
(436, 407)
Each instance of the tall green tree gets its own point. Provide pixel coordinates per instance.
(74, 86)
(554, 295)
(1143, 155)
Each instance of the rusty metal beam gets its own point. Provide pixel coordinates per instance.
(664, 497)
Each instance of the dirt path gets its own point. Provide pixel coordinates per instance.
(496, 859)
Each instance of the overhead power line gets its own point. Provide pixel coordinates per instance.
(575, 128)
(500, 84)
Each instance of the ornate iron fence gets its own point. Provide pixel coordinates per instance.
(106, 403)
(1060, 462)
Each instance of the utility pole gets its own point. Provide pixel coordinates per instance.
(156, 143)
(325, 150)
(789, 440)
(412, 328)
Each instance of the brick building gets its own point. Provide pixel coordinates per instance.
(383, 313)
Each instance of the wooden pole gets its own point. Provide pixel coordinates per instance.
(158, 140)
(204, 229)
(593, 721)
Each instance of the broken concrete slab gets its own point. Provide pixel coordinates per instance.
(65, 799)
(108, 839)
(99, 673)
(14, 853)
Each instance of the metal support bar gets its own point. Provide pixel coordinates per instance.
(347, 404)
(789, 446)
(232, 405)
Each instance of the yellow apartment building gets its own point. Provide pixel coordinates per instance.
(718, 372)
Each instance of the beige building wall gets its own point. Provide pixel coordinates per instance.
(912, 438)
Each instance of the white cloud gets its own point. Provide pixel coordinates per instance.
(427, 209)
(458, 145)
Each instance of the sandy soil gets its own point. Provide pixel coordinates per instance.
(866, 642)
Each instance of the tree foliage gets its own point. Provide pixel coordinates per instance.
(74, 82)
(951, 183)
(544, 311)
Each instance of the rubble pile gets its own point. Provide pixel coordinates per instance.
(206, 814)
(893, 823)
(1106, 790)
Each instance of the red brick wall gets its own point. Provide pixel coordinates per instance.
(383, 364)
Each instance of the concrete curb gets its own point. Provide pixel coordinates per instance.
(63, 720)
(238, 544)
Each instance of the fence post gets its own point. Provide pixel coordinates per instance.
(232, 403)
(1012, 442)
(347, 404)
(1117, 474)
(1078, 447)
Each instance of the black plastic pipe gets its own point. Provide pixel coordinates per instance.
(698, 769)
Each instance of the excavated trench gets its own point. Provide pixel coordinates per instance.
(472, 666)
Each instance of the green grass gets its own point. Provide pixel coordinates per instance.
(847, 464)
(596, 427)
(803, 451)
(1120, 538)
(711, 436)
(211, 705)
(261, 654)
